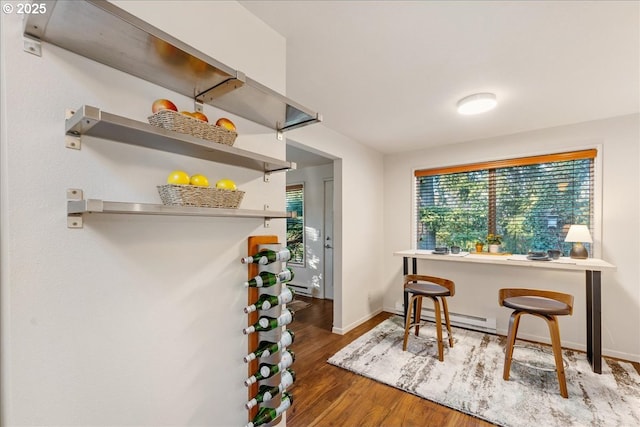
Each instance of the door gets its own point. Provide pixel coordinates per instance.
(328, 239)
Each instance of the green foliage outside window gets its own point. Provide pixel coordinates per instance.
(533, 206)
(295, 226)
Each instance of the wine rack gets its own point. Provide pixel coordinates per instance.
(255, 244)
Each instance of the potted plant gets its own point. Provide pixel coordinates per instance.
(479, 246)
(494, 241)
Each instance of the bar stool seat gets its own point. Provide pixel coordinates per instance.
(418, 286)
(546, 305)
(538, 305)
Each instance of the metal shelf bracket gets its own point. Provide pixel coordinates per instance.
(267, 221)
(32, 46)
(71, 140)
(74, 220)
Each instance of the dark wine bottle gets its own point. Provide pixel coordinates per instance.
(267, 370)
(266, 323)
(267, 256)
(267, 348)
(267, 279)
(266, 415)
(268, 392)
(265, 302)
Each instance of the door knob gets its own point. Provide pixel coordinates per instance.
(328, 246)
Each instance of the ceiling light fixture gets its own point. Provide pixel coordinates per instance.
(477, 103)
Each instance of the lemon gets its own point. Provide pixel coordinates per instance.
(226, 184)
(178, 177)
(199, 180)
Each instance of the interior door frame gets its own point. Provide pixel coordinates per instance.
(325, 181)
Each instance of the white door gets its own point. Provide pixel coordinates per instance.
(328, 239)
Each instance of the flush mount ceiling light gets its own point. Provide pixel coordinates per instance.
(477, 103)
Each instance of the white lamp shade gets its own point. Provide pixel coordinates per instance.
(578, 233)
(477, 103)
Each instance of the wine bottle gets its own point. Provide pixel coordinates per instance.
(266, 301)
(266, 279)
(266, 323)
(268, 392)
(267, 256)
(266, 415)
(267, 348)
(267, 370)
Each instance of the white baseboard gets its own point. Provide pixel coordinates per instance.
(481, 324)
(342, 331)
(575, 346)
(300, 289)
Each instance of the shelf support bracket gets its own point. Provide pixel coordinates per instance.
(231, 84)
(267, 221)
(198, 105)
(70, 140)
(32, 46)
(279, 131)
(74, 220)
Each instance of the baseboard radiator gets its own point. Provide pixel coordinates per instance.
(300, 289)
(461, 320)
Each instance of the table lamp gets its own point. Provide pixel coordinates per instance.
(578, 234)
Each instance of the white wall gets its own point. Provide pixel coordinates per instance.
(311, 275)
(358, 203)
(132, 320)
(477, 286)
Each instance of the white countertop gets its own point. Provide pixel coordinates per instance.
(563, 263)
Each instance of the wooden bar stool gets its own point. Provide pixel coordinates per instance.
(417, 287)
(544, 304)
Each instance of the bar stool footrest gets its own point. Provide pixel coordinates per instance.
(430, 323)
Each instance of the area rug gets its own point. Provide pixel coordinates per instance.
(470, 379)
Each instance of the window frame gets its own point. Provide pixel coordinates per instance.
(292, 185)
(596, 246)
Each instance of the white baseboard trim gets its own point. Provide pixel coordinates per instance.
(575, 346)
(481, 324)
(300, 289)
(342, 331)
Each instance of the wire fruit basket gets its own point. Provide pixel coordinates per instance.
(196, 196)
(174, 121)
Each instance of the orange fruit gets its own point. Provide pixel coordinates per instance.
(226, 123)
(198, 115)
(163, 104)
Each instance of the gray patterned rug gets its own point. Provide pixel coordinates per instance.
(470, 378)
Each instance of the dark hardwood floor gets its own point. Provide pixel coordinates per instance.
(325, 395)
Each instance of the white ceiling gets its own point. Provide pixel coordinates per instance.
(389, 73)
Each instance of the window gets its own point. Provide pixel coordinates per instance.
(530, 202)
(295, 226)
